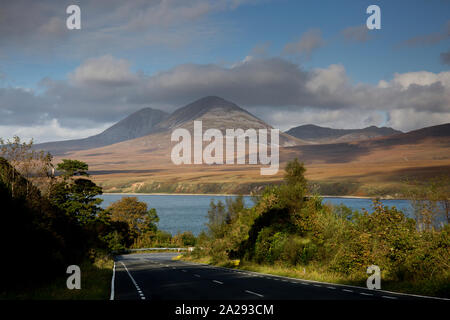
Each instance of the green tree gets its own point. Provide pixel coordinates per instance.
(72, 168)
(135, 213)
(77, 197)
(295, 173)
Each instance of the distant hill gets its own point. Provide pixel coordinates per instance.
(324, 135)
(415, 144)
(138, 124)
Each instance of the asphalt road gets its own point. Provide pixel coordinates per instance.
(156, 276)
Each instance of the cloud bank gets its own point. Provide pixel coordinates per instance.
(105, 89)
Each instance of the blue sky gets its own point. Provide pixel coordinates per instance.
(147, 38)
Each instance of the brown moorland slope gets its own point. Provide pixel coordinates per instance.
(363, 168)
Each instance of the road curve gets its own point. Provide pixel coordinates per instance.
(156, 276)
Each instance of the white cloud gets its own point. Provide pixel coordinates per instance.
(49, 131)
(409, 119)
(105, 69)
(105, 89)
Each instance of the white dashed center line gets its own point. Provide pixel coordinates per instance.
(217, 281)
(388, 297)
(134, 282)
(366, 294)
(254, 293)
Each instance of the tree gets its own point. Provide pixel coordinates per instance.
(218, 218)
(430, 200)
(72, 168)
(295, 173)
(135, 213)
(29, 163)
(77, 197)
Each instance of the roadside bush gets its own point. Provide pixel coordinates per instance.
(185, 239)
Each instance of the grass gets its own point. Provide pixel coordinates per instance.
(95, 285)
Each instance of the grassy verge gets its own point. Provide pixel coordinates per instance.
(95, 285)
(437, 288)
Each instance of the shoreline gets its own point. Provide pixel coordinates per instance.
(235, 195)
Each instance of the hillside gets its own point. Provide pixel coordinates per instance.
(370, 167)
(317, 134)
(136, 125)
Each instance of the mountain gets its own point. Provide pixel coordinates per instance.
(218, 113)
(214, 112)
(200, 109)
(138, 124)
(324, 135)
(430, 143)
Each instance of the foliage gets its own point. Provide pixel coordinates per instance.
(72, 168)
(135, 214)
(62, 226)
(78, 198)
(33, 165)
(430, 200)
(288, 229)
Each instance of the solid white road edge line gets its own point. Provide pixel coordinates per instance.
(112, 282)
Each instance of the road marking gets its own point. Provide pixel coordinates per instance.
(184, 270)
(112, 282)
(134, 281)
(346, 290)
(197, 275)
(217, 281)
(366, 294)
(317, 285)
(256, 294)
(331, 288)
(388, 297)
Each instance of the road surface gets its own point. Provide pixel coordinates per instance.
(156, 276)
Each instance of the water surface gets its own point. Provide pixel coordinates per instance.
(178, 213)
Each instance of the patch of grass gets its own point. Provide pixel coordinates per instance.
(95, 285)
